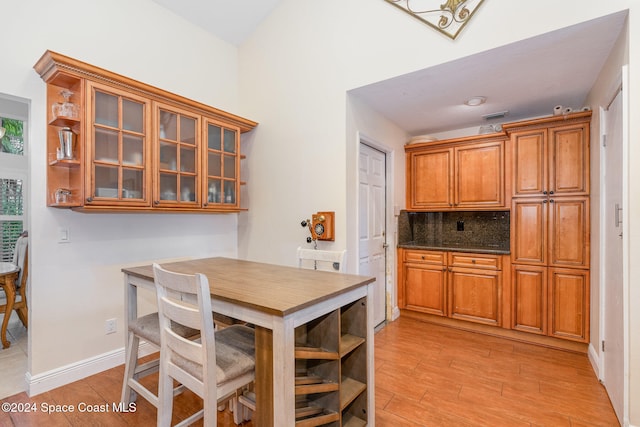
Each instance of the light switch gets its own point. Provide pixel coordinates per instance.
(63, 235)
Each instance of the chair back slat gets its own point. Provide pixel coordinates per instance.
(187, 349)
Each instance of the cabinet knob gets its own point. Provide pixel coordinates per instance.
(155, 202)
(422, 257)
(551, 201)
(473, 261)
(206, 204)
(550, 192)
(544, 192)
(89, 199)
(544, 201)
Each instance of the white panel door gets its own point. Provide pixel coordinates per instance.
(613, 337)
(372, 224)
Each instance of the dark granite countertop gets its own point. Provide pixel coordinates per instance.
(475, 250)
(485, 232)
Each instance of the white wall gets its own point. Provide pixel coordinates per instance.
(295, 70)
(75, 287)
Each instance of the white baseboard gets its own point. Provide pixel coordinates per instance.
(594, 358)
(63, 375)
(395, 313)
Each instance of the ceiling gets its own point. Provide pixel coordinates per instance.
(526, 78)
(231, 20)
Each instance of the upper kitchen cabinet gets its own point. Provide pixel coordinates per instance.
(464, 173)
(550, 155)
(115, 144)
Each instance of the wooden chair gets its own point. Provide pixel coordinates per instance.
(146, 328)
(217, 367)
(316, 259)
(20, 279)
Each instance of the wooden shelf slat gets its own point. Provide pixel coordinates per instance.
(349, 343)
(308, 379)
(315, 353)
(350, 420)
(317, 420)
(349, 390)
(323, 387)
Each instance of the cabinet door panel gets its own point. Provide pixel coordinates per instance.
(568, 232)
(569, 172)
(479, 179)
(529, 231)
(425, 289)
(569, 304)
(222, 165)
(430, 182)
(475, 296)
(529, 293)
(118, 142)
(178, 160)
(529, 163)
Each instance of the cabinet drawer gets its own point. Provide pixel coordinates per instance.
(425, 257)
(457, 259)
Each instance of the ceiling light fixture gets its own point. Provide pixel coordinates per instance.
(475, 101)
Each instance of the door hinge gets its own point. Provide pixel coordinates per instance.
(604, 140)
(602, 345)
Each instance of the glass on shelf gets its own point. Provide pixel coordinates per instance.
(132, 184)
(188, 193)
(168, 187)
(214, 191)
(66, 108)
(229, 192)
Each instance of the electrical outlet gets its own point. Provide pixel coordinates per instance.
(110, 326)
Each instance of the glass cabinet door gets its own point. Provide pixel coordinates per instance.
(222, 166)
(178, 158)
(118, 148)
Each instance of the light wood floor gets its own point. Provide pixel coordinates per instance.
(426, 375)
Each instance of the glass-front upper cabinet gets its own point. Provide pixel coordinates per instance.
(117, 153)
(222, 165)
(178, 171)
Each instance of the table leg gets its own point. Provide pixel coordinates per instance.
(275, 375)
(10, 291)
(264, 377)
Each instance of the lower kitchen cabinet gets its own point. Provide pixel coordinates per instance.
(529, 293)
(475, 295)
(462, 286)
(569, 304)
(425, 288)
(551, 301)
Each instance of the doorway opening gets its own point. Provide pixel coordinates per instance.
(14, 222)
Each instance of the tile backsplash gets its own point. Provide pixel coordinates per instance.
(479, 229)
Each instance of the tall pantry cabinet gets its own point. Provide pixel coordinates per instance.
(550, 226)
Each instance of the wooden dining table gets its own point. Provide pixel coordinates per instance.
(276, 299)
(8, 275)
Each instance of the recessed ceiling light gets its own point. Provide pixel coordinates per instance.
(476, 100)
